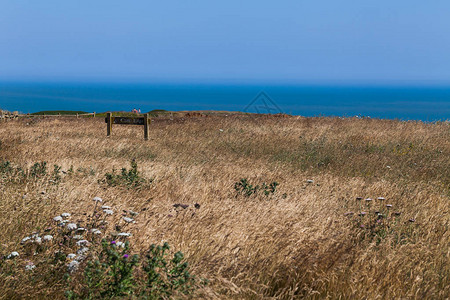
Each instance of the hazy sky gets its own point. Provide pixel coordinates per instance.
(205, 40)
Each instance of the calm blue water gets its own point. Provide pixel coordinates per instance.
(408, 103)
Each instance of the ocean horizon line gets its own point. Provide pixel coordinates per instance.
(234, 82)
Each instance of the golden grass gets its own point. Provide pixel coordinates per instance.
(296, 243)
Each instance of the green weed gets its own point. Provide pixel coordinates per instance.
(130, 178)
(245, 188)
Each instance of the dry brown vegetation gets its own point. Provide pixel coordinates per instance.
(294, 243)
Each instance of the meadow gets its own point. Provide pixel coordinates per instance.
(262, 207)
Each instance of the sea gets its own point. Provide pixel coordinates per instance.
(424, 103)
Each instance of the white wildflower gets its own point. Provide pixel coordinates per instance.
(30, 266)
(95, 231)
(124, 234)
(106, 207)
(133, 213)
(82, 242)
(120, 244)
(48, 237)
(80, 258)
(381, 198)
(38, 240)
(97, 199)
(310, 181)
(71, 256)
(108, 211)
(72, 226)
(57, 219)
(25, 239)
(81, 229)
(73, 266)
(82, 250)
(65, 215)
(128, 220)
(13, 255)
(77, 237)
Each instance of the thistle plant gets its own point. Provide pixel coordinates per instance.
(376, 220)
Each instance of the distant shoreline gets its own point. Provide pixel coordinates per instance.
(403, 103)
(157, 113)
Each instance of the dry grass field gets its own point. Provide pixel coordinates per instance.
(309, 238)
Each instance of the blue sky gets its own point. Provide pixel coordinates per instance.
(241, 41)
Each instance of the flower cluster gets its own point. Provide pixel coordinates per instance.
(94, 257)
(74, 239)
(377, 219)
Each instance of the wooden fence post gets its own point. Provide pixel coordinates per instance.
(109, 124)
(146, 120)
(94, 114)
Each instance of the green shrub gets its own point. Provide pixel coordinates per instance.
(108, 275)
(56, 177)
(6, 168)
(17, 174)
(130, 178)
(245, 188)
(164, 277)
(38, 170)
